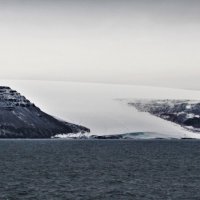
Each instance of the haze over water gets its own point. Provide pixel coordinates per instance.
(109, 41)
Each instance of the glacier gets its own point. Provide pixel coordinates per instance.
(103, 107)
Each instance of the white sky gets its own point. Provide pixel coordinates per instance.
(154, 42)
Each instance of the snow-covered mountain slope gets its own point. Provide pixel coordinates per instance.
(96, 106)
(19, 118)
(183, 112)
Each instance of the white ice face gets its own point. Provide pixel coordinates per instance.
(97, 106)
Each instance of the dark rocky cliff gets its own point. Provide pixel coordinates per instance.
(19, 118)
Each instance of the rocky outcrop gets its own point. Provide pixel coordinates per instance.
(19, 118)
(183, 112)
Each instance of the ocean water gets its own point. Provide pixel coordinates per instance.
(99, 169)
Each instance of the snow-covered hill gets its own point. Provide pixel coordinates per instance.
(97, 106)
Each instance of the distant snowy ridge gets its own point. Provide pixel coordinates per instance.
(183, 112)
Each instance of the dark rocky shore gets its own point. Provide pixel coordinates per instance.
(19, 118)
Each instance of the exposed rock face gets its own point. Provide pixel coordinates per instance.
(19, 118)
(183, 112)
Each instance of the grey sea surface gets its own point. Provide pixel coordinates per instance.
(99, 169)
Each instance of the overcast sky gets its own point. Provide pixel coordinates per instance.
(146, 42)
